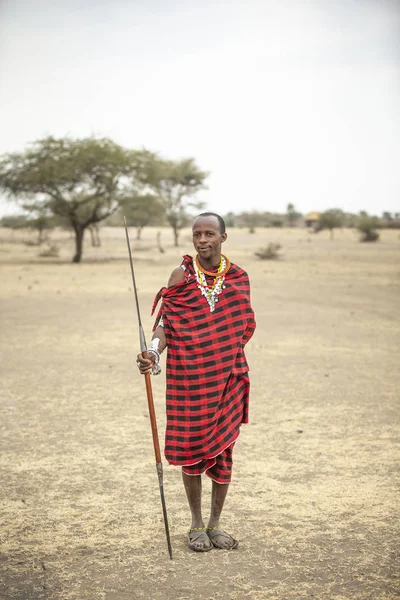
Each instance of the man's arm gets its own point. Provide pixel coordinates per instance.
(177, 276)
(158, 341)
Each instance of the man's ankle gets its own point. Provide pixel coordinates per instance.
(197, 525)
(213, 524)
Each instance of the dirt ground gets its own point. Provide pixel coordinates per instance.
(313, 499)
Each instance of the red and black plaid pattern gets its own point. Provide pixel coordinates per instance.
(219, 468)
(207, 383)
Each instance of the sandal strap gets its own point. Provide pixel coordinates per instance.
(197, 529)
(220, 532)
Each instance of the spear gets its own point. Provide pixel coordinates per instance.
(149, 391)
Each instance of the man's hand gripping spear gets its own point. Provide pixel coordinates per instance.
(143, 349)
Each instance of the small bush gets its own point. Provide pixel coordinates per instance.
(367, 227)
(52, 251)
(270, 252)
(369, 236)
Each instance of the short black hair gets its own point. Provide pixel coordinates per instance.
(221, 222)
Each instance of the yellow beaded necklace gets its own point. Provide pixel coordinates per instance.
(212, 292)
(220, 271)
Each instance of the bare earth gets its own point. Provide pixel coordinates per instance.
(313, 501)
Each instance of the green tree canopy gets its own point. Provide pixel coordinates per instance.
(331, 219)
(141, 210)
(176, 183)
(81, 180)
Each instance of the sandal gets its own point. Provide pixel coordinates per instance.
(195, 535)
(214, 532)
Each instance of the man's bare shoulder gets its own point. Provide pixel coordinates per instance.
(177, 276)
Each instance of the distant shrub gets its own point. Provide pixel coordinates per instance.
(52, 251)
(370, 236)
(15, 221)
(367, 227)
(331, 219)
(270, 252)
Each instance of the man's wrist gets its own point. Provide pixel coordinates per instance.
(155, 353)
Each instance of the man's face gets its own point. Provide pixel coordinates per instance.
(207, 238)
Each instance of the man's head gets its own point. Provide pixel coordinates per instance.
(208, 236)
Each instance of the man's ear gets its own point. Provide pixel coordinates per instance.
(224, 236)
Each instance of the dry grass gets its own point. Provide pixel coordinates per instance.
(314, 490)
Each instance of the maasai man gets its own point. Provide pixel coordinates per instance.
(205, 320)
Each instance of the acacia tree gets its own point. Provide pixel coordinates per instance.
(141, 209)
(331, 219)
(80, 180)
(176, 182)
(291, 215)
(41, 223)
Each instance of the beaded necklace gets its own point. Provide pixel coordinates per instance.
(212, 292)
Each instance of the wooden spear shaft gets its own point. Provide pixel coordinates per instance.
(150, 402)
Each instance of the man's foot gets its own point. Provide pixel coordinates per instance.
(221, 539)
(198, 540)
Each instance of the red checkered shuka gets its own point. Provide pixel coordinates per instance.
(207, 373)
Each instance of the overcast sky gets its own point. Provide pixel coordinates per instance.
(282, 101)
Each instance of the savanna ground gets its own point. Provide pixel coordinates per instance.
(313, 500)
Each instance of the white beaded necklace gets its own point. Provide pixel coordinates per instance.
(211, 293)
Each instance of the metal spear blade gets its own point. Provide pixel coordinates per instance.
(164, 508)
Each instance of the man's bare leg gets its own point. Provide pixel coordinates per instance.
(220, 538)
(198, 538)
